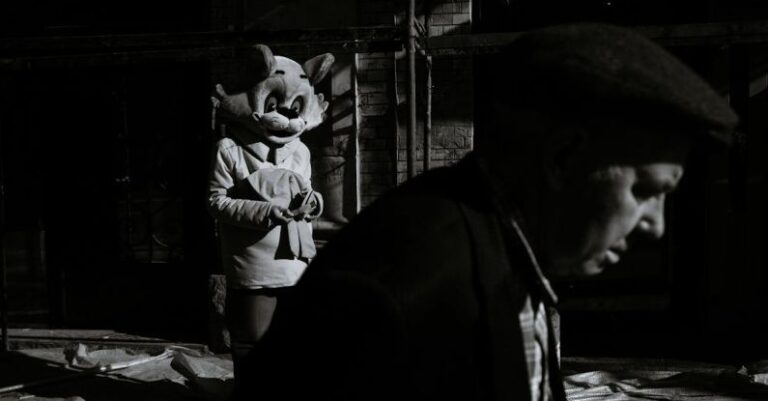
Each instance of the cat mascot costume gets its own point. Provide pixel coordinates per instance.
(259, 188)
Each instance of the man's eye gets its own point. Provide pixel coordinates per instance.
(644, 193)
(270, 104)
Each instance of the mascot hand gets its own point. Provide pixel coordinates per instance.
(219, 92)
(310, 208)
(280, 215)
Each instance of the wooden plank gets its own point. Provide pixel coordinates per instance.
(71, 51)
(479, 43)
(77, 51)
(63, 334)
(726, 33)
(710, 34)
(62, 45)
(44, 338)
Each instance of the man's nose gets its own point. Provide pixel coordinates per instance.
(652, 221)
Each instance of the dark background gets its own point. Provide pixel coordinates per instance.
(105, 169)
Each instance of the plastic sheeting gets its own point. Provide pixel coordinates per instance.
(639, 380)
(79, 373)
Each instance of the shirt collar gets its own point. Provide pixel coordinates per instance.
(261, 150)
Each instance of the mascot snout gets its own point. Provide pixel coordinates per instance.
(285, 120)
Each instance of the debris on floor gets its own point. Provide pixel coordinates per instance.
(618, 379)
(93, 372)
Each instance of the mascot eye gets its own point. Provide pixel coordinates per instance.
(297, 105)
(270, 104)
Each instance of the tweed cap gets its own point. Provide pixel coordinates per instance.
(604, 71)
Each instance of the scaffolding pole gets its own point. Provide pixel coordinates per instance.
(356, 134)
(428, 91)
(3, 273)
(411, 53)
(396, 119)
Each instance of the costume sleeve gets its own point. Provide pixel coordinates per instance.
(305, 165)
(240, 212)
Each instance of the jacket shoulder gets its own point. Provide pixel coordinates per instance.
(401, 232)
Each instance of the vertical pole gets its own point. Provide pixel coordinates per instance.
(428, 115)
(411, 53)
(741, 284)
(428, 88)
(739, 90)
(738, 171)
(396, 119)
(356, 133)
(3, 277)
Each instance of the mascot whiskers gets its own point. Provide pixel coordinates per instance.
(260, 190)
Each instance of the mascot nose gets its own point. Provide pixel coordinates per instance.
(289, 113)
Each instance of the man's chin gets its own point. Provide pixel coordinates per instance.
(592, 267)
(576, 270)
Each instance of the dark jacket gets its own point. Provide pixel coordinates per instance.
(417, 298)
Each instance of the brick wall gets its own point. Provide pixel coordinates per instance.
(382, 121)
(378, 125)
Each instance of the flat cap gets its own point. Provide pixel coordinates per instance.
(609, 71)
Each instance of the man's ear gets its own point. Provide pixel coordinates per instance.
(318, 67)
(563, 152)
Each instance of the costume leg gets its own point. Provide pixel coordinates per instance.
(249, 314)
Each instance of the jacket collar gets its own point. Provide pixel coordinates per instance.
(509, 216)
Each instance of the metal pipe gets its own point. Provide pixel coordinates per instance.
(396, 120)
(428, 115)
(356, 133)
(411, 53)
(428, 90)
(739, 91)
(3, 278)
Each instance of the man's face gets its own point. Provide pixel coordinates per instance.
(613, 204)
(598, 211)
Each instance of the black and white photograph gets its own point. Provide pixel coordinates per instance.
(384, 200)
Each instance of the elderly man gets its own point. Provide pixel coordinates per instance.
(439, 289)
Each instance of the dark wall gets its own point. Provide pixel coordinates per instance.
(89, 17)
(109, 165)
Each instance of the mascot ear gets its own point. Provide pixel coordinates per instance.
(254, 65)
(261, 61)
(318, 67)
